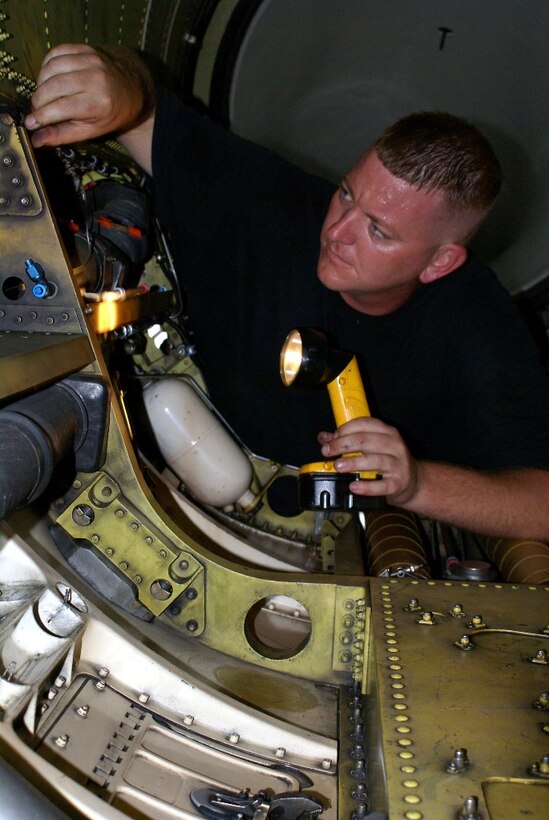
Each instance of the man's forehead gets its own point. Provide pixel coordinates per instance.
(370, 178)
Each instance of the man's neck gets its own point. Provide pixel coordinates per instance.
(378, 304)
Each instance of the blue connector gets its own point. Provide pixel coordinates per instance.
(34, 270)
(42, 288)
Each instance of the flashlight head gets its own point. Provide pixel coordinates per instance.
(307, 359)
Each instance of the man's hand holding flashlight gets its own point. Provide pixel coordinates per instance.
(375, 446)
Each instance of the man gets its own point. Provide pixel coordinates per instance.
(446, 358)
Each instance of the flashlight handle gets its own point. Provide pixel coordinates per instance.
(349, 401)
(347, 394)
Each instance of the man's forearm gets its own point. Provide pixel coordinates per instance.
(511, 503)
(138, 143)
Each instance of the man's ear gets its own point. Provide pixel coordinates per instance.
(445, 259)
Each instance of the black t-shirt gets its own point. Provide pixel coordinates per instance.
(453, 368)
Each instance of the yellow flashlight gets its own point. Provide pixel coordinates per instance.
(307, 359)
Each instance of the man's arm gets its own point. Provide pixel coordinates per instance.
(84, 93)
(509, 503)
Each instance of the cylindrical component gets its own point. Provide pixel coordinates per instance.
(196, 446)
(41, 636)
(519, 561)
(394, 543)
(36, 433)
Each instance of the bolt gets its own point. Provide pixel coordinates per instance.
(100, 684)
(360, 811)
(358, 752)
(60, 681)
(123, 565)
(348, 621)
(144, 697)
(326, 763)
(359, 791)
(476, 622)
(62, 741)
(183, 564)
(540, 657)
(465, 643)
(192, 626)
(459, 762)
(25, 201)
(188, 720)
(109, 551)
(345, 657)
(234, 737)
(413, 605)
(358, 771)
(280, 752)
(358, 732)
(191, 593)
(426, 618)
(138, 579)
(119, 513)
(82, 711)
(148, 539)
(542, 702)
(52, 693)
(104, 672)
(163, 554)
(134, 525)
(469, 810)
(95, 538)
(345, 638)
(356, 715)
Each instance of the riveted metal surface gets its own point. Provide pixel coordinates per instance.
(434, 697)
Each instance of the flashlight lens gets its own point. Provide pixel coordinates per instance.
(290, 357)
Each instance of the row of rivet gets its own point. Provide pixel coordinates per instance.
(400, 706)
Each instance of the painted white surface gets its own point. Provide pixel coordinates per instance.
(319, 80)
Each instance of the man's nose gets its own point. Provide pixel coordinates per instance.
(340, 227)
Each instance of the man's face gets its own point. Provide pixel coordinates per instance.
(379, 236)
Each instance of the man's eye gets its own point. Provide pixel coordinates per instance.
(376, 232)
(344, 193)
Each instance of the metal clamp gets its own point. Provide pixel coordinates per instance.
(219, 805)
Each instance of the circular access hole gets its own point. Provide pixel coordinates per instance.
(278, 627)
(283, 497)
(161, 589)
(13, 288)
